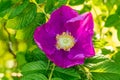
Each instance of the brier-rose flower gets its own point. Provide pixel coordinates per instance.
(66, 38)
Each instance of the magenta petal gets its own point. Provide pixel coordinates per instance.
(58, 19)
(44, 40)
(89, 50)
(84, 35)
(60, 58)
(80, 24)
(86, 27)
(80, 27)
(76, 52)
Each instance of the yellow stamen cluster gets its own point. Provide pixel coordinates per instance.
(65, 41)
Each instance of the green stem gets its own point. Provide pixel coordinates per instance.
(86, 71)
(9, 39)
(53, 67)
(48, 65)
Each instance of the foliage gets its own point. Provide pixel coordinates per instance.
(21, 59)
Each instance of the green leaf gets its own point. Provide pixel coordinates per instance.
(112, 20)
(34, 67)
(100, 43)
(118, 10)
(106, 51)
(95, 59)
(60, 3)
(40, 1)
(20, 57)
(76, 2)
(5, 4)
(24, 18)
(17, 9)
(86, 8)
(118, 34)
(27, 33)
(111, 3)
(57, 79)
(49, 7)
(107, 70)
(116, 57)
(3, 13)
(66, 74)
(35, 55)
(36, 76)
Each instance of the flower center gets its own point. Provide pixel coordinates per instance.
(65, 41)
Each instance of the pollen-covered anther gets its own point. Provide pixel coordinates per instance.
(65, 41)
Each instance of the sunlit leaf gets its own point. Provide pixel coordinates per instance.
(112, 20)
(107, 70)
(76, 2)
(106, 51)
(118, 34)
(20, 59)
(24, 18)
(95, 59)
(116, 57)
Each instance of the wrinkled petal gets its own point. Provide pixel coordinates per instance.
(87, 46)
(80, 25)
(85, 34)
(44, 40)
(76, 52)
(58, 19)
(60, 58)
(86, 27)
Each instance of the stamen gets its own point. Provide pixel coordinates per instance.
(65, 41)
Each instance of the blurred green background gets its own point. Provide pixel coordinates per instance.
(19, 18)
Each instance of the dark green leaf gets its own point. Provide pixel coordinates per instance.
(105, 76)
(76, 2)
(35, 55)
(3, 13)
(36, 76)
(66, 74)
(86, 8)
(34, 66)
(106, 51)
(5, 4)
(95, 59)
(49, 7)
(107, 70)
(57, 79)
(118, 10)
(116, 57)
(17, 9)
(112, 20)
(24, 18)
(40, 1)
